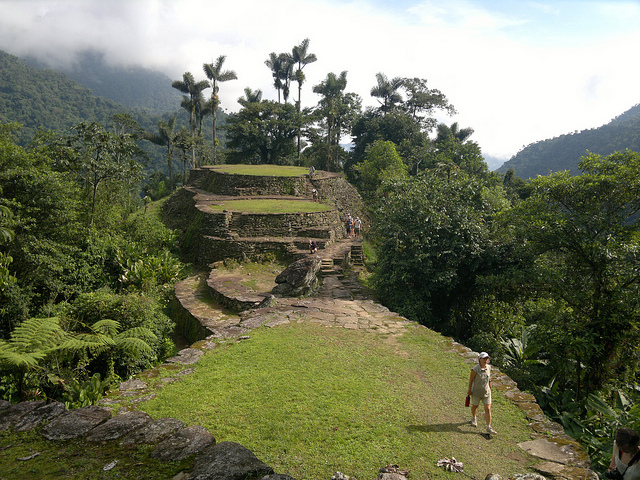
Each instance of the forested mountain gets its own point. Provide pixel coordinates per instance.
(45, 98)
(136, 88)
(564, 152)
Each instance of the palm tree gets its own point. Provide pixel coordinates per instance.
(387, 90)
(166, 137)
(300, 56)
(215, 74)
(282, 70)
(191, 101)
(250, 96)
(454, 131)
(331, 90)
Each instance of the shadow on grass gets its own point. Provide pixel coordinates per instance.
(444, 427)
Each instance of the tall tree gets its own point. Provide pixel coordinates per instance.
(166, 137)
(331, 89)
(454, 131)
(96, 156)
(387, 92)
(250, 96)
(433, 244)
(215, 74)
(422, 102)
(282, 70)
(300, 56)
(191, 101)
(263, 132)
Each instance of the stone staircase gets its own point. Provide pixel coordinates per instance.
(357, 255)
(327, 266)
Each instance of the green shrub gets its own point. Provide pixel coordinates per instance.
(130, 311)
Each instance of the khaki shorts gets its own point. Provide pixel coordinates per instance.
(476, 400)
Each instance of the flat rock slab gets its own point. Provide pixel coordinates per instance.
(557, 470)
(119, 426)
(188, 356)
(14, 413)
(546, 450)
(153, 432)
(75, 423)
(517, 396)
(184, 443)
(34, 418)
(229, 461)
(132, 385)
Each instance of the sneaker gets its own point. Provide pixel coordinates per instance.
(474, 422)
(490, 430)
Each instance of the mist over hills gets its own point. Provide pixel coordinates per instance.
(136, 88)
(564, 152)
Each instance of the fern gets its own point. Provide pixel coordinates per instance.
(105, 337)
(30, 344)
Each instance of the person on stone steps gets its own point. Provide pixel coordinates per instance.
(480, 390)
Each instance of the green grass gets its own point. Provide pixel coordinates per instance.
(264, 170)
(77, 459)
(271, 206)
(311, 400)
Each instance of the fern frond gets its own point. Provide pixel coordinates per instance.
(138, 332)
(135, 346)
(106, 327)
(36, 334)
(11, 358)
(86, 341)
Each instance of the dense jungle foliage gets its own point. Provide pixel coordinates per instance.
(543, 274)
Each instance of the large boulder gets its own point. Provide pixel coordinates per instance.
(14, 413)
(300, 278)
(75, 423)
(185, 442)
(40, 415)
(229, 461)
(119, 426)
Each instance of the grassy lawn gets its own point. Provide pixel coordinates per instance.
(271, 206)
(311, 400)
(264, 170)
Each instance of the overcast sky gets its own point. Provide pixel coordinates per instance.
(517, 71)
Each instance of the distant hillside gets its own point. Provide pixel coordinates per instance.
(136, 88)
(44, 98)
(564, 152)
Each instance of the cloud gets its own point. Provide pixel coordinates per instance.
(518, 74)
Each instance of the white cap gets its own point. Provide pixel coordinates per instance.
(483, 355)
